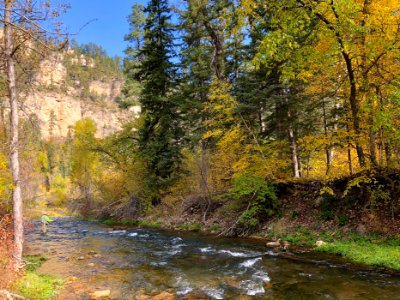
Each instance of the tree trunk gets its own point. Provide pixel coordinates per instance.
(14, 153)
(261, 119)
(380, 148)
(354, 108)
(365, 86)
(293, 149)
(349, 159)
(328, 148)
(203, 169)
(372, 145)
(204, 181)
(293, 145)
(388, 154)
(217, 41)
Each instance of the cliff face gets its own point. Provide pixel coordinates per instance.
(58, 104)
(57, 113)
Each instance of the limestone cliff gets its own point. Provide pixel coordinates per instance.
(58, 103)
(57, 113)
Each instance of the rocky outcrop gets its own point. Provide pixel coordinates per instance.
(52, 71)
(107, 91)
(58, 106)
(57, 113)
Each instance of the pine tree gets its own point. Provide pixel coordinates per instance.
(133, 59)
(160, 134)
(135, 36)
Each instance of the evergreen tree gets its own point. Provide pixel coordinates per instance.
(132, 61)
(137, 20)
(160, 133)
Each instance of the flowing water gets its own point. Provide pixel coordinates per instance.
(136, 261)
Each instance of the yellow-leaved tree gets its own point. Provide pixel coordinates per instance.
(85, 162)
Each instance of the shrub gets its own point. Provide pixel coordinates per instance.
(327, 207)
(327, 215)
(294, 215)
(342, 220)
(214, 228)
(258, 195)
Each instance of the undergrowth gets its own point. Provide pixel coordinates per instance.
(37, 286)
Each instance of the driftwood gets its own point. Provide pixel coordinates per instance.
(11, 296)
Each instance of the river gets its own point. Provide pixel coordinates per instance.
(135, 261)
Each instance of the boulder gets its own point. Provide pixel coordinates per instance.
(274, 244)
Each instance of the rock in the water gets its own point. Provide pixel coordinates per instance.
(100, 294)
(81, 258)
(285, 245)
(91, 265)
(164, 296)
(274, 244)
(268, 285)
(319, 243)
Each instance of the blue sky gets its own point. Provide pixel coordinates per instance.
(110, 27)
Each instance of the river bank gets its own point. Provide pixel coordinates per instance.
(356, 217)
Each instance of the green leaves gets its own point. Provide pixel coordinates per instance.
(260, 196)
